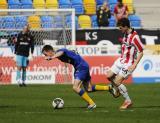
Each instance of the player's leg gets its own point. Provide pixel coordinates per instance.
(111, 74)
(123, 90)
(116, 67)
(91, 88)
(23, 76)
(25, 64)
(84, 95)
(19, 67)
(80, 75)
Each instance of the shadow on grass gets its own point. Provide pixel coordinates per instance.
(7, 106)
(82, 107)
(149, 106)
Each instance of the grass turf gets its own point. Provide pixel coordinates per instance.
(32, 104)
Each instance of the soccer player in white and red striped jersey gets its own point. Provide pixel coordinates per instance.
(132, 52)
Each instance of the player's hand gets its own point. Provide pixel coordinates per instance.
(30, 58)
(132, 68)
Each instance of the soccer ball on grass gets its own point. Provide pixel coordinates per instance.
(58, 103)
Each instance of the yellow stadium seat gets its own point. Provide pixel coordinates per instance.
(39, 4)
(51, 4)
(130, 9)
(89, 6)
(84, 21)
(3, 5)
(128, 1)
(34, 22)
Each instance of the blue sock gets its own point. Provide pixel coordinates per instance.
(24, 76)
(18, 75)
(93, 88)
(81, 92)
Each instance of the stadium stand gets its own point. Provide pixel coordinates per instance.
(58, 21)
(94, 21)
(14, 4)
(65, 4)
(78, 5)
(90, 7)
(112, 4)
(112, 22)
(26, 4)
(82, 7)
(52, 4)
(135, 20)
(47, 21)
(99, 3)
(34, 22)
(84, 21)
(21, 21)
(3, 5)
(9, 23)
(39, 4)
(68, 21)
(129, 3)
(1, 22)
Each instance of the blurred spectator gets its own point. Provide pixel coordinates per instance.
(120, 11)
(103, 14)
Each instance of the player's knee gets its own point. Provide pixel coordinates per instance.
(109, 75)
(110, 78)
(89, 90)
(76, 88)
(117, 81)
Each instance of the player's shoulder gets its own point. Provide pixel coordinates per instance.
(134, 32)
(62, 49)
(20, 33)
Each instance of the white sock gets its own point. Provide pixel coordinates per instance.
(19, 81)
(123, 90)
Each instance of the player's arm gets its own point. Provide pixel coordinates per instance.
(58, 54)
(140, 54)
(16, 44)
(139, 46)
(32, 44)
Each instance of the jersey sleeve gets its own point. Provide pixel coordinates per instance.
(63, 50)
(17, 44)
(32, 44)
(138, 44)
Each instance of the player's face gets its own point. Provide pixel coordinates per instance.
(25, 29)
(123, 29)
(48, 53)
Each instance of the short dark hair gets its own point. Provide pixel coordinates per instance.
(47, 48)
(119, 1)
(124, 22)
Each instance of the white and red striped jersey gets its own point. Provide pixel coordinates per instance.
(131, 44)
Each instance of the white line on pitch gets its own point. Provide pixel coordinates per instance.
(104, 111)
(127, 110)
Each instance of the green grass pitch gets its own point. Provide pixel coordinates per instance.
(32, 104)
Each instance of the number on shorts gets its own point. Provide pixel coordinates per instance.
(124, 71)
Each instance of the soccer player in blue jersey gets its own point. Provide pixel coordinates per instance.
(81, 73)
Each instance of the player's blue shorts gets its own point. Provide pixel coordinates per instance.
(82, 73)
(21, 61)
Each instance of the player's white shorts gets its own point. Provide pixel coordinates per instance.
(121, 68)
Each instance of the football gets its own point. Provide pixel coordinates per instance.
(58, 103)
